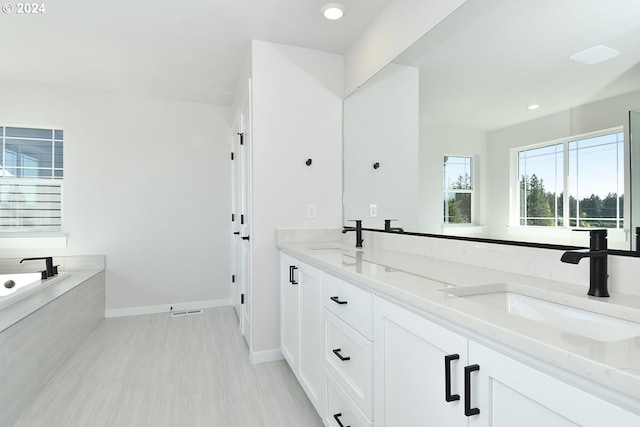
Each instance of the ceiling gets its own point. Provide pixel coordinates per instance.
(485, 63)
(189, 50)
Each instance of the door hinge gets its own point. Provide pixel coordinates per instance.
(233, 278)
(232, 156)
(241, 298)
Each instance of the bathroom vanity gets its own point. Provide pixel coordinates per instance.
(385, 338)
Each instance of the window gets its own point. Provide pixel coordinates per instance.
(458, 190)
(576, 182)
(31, 172)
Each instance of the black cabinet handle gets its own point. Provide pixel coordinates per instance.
(447, 378)
(245, 237)
(292, 279)
(237, 233)
(468, 410)
(336, 351)
(337, 418)
(337, 300)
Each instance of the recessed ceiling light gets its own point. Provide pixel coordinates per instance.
(533, 107)
(333, 11)
(594, 55)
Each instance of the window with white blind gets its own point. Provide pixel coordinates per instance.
(31, 177)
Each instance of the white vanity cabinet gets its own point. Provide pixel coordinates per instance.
(348, 353)
(409, 370)
(301, 324)
(509, 393)
(413, 388)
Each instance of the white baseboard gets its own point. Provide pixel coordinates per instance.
(265, 356)
(166, 308)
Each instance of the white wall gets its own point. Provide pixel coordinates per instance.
(146, 183)
(381, 125)
(586, 118)
(297, 114)
(397, 27)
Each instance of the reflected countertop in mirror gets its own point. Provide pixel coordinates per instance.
(466, 90)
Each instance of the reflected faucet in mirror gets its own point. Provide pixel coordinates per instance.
(387, 226)
(597, 254)
(357, 229)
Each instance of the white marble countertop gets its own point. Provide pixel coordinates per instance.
(417, 282)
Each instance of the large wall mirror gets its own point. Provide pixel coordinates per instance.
(510, 120)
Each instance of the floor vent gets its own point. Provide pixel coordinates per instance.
(185, 313)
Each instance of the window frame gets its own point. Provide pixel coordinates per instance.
(515, 176)
(36, 238)
(471, 191)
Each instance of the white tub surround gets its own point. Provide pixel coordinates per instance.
(415, 282)
(40, 332)
(73, 272)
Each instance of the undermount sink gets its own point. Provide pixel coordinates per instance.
(327, 248)
(332, 249)
(515, 301)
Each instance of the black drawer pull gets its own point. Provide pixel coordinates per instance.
(292, 279)
(337, 418)
(468, 410)
(448, 397)
(337, 300)
(336, 351)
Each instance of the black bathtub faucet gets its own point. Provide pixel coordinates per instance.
(597, 254)
(51, 270)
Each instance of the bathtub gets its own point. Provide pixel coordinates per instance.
(25, 284)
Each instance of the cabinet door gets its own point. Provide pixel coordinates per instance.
(514, 394)
(409, 370)
(289, 310)
(310, 357)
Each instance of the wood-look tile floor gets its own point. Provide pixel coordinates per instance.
(157, 370)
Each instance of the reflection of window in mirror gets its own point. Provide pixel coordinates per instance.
(458, 190)
(592, 186)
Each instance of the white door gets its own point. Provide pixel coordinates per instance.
(241, 194)
(236, 202)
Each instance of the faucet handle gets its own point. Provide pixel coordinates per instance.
(357, 221)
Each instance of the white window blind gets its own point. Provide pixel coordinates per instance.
(31, 178)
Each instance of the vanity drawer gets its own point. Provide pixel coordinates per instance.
(349, 303)
(349, 357)
(339, 406)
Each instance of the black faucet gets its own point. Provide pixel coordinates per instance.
(597, 254)
(357, 229)
(387, 226)
(51, 270)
